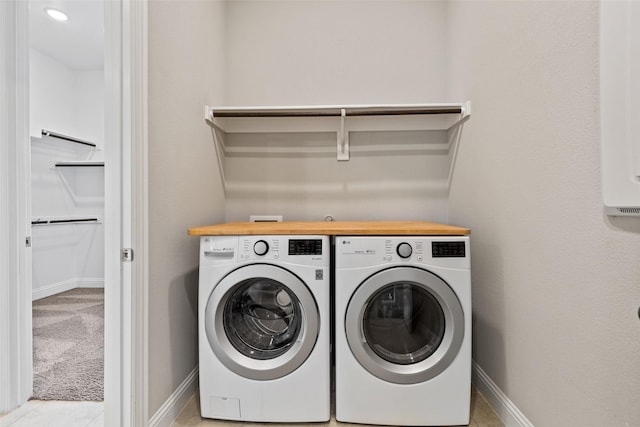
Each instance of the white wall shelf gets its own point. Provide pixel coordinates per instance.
(58, 136)
(341, 119)
(329, 118)
(68, 152)
(65, 220)
(48, 135)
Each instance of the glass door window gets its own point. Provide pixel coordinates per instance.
(261, 321)
(262, 318)
(403, 323)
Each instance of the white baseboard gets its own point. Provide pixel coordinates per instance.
(170, 410)
(66, 285)
(508, 412)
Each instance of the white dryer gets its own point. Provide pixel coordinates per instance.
(263, 310)
(403, 330)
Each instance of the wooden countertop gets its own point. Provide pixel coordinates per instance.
(333, 228)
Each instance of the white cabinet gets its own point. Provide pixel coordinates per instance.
(620, 106)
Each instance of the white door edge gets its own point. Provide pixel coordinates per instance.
(15, 257)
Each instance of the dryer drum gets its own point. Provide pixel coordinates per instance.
(403, 323)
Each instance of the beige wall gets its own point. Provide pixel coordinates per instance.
(556, 285)
(316, 52)
(185, 73)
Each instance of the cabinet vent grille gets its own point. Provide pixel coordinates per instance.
(629, 210)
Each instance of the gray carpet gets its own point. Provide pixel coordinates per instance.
(68, 346)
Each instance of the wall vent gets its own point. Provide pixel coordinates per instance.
(617, 211)
(629, 211)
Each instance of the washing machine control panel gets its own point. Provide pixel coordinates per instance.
(264, 247)
(300, 250)
(294, 246)
(448, 249)
(303, 250)
(305, 246)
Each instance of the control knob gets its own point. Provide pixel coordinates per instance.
(404, 250)
(260, 247)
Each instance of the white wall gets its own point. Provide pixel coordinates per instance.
(70, 102)
(185, 73)
(90, 107)
(556, 283)
(51, 91)
(65, 100)
(329, 52)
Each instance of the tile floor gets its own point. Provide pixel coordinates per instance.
(53, 413)
(91, 414)
(482, 415)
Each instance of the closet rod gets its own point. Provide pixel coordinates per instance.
(337, 112)
(79, 164)
(404, 112)
(66, 138)
(282, 113)
(63, 221)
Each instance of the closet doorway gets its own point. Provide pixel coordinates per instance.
(125, 217)
(66, 123)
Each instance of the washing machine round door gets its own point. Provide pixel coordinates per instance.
(261, 321)
(404, 325)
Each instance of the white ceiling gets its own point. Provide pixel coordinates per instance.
(77, 42)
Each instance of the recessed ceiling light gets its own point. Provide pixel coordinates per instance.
(56, 14)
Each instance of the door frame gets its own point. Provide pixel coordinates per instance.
(126, 389)
(126, 219)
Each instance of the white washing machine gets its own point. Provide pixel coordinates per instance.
(263, 313)
(403, 330)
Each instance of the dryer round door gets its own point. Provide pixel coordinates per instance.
(261, 321)
(404, 325)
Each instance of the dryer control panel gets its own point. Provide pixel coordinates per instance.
(364, 251)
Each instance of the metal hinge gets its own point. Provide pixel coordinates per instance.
(27, 241)
(127, 254)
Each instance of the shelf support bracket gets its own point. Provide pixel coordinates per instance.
(454, 133)
(343, 138)
(218, 144)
